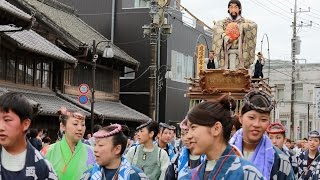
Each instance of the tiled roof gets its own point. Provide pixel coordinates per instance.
(117, 110)
(32, 102)
(31, 41)
(9, 28)
(77, 29)
(112, 110)
(48, 102)
(11, 10)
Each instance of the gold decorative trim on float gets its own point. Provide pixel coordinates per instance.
(215, 81)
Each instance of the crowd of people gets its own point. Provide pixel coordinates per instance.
(215, 142)
(207, 148)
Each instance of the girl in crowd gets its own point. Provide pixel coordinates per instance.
(277, 135)
(147, 156)
(185, 160)
(70, 157)
(309, 160)
(210, 125)
(110, 144)
(164, 138)
(254, 143)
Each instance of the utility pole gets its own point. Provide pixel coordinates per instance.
(293, 57)
(294, 52)
(158, 23)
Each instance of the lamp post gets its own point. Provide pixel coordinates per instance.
(268, 55)
(107, 53)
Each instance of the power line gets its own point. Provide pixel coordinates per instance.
(311, 11)
(177, 18)
(287, 75)
(280, 72)
(135, 79)
(288, 63)
(284, 17)
(308, 6)
(131, 42)
(108, 13)
(310, 14)
(197, 19)
(285, 5)
(284, 10)
(193, 18)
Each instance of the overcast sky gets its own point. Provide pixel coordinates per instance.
(274, 18)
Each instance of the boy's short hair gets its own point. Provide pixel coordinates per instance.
(17, 103)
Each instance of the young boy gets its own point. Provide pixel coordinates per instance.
(19, 159)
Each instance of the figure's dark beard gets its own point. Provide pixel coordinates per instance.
(234, 16)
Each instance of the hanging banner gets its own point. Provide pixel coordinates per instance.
(200, 58)
(317, 103)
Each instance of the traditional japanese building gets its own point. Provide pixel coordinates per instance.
(48, 62)
(123, 22)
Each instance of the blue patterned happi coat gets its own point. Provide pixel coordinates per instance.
(36, 166)
(126, 172)
(170, 150)
(311, 172)
(179, 166)
(228, 166)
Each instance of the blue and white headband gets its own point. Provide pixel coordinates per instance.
(314, 134)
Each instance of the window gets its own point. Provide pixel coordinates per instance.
(310, 96)
(128, 73)
(83, 75)
(29, 72)
(38, 74)
(280, 92)
(68, 74)
(21, 70)
(45, 75)
(181, 66)
(11, 69)
(189, 66)
(128, 4)
(298, 95)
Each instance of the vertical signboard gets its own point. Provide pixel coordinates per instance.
(200, 60)
(317, 103)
